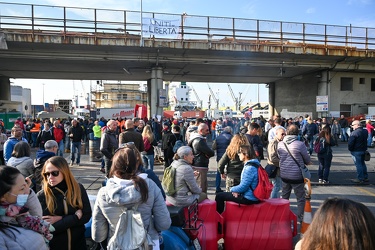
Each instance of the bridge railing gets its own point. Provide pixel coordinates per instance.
(40, 19)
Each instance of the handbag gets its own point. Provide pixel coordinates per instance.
(271, 170)
(367, 155)
(305, 171)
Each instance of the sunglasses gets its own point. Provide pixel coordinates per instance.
(53, 173)
(239, 152)
(283, 134)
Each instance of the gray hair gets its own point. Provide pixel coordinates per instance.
(183, 151)
(50, 144)
(228, 129)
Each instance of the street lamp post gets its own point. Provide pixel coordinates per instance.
(44, 107)
(141, 23)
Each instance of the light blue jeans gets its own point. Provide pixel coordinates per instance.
(148, 161)
(61, 147)
(344, 136)
(276, 182)
(359, 161)
(369, 140)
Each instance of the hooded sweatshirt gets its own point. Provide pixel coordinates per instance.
(120, 193)
(24, 164)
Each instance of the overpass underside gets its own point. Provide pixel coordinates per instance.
(288, 60)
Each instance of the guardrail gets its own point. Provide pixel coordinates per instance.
(100, 22)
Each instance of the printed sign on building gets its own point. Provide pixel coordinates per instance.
(322, 103)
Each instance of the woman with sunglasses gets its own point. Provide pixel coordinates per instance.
(125, 188)
(65, 205)
(16, 200)
(243, 192)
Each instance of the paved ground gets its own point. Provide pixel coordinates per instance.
(342, 171)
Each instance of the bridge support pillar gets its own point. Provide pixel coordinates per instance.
(5, 88)
(154, 85)
(271, 99)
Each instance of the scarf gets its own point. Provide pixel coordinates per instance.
(20, 216)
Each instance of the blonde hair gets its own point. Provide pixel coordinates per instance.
(235, 144)
(73, 193)
(147, 132)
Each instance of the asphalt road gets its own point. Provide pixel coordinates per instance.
(342, 171)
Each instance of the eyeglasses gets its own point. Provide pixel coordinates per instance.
(53, 173)
(283, 134)
(130, 145)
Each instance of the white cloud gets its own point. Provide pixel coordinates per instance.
(311, 10)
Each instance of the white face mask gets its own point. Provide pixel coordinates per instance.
(21, 199)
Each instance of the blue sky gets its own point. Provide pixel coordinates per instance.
(334, 12)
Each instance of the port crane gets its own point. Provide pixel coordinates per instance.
(237, 100)
(199, 101)
(214, 97)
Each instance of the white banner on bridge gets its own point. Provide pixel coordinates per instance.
(161, 28)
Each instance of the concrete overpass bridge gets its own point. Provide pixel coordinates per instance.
(297, 60)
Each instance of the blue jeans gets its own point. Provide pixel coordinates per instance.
(33, 138)
(73, 147)
(213, 133)
(369, 140)
(344, 136)
(148, 161)
(311, 145)
(359, 161)
(276, 182)
(61, 146)
(325, 161)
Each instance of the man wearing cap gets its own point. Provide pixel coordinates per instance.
(357, 145)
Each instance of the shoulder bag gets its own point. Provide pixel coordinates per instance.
(305, 171)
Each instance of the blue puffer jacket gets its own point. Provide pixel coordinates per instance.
(249, 176)
(358, 140)
(222, 142)
(289, 170)
(9, 146)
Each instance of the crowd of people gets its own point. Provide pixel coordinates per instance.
(53, 197)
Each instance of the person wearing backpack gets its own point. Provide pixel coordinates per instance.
(325, 154)
(127, 189)
(185, 187)
(149, 142)
(242, 193)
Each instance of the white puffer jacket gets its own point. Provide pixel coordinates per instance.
(119, 193)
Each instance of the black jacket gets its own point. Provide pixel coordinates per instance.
(77, 133)
(108, 143)
(69, 221)
(202, 152)
(358, 140)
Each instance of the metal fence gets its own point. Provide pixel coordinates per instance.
(98, 22)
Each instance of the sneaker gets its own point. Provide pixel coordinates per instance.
(325, 182)
(102, 170)
(366, 180)
(77, 164)
(357, 181)
(71, 164)
(320, 181)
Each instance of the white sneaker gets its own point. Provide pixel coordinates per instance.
(320, 181)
